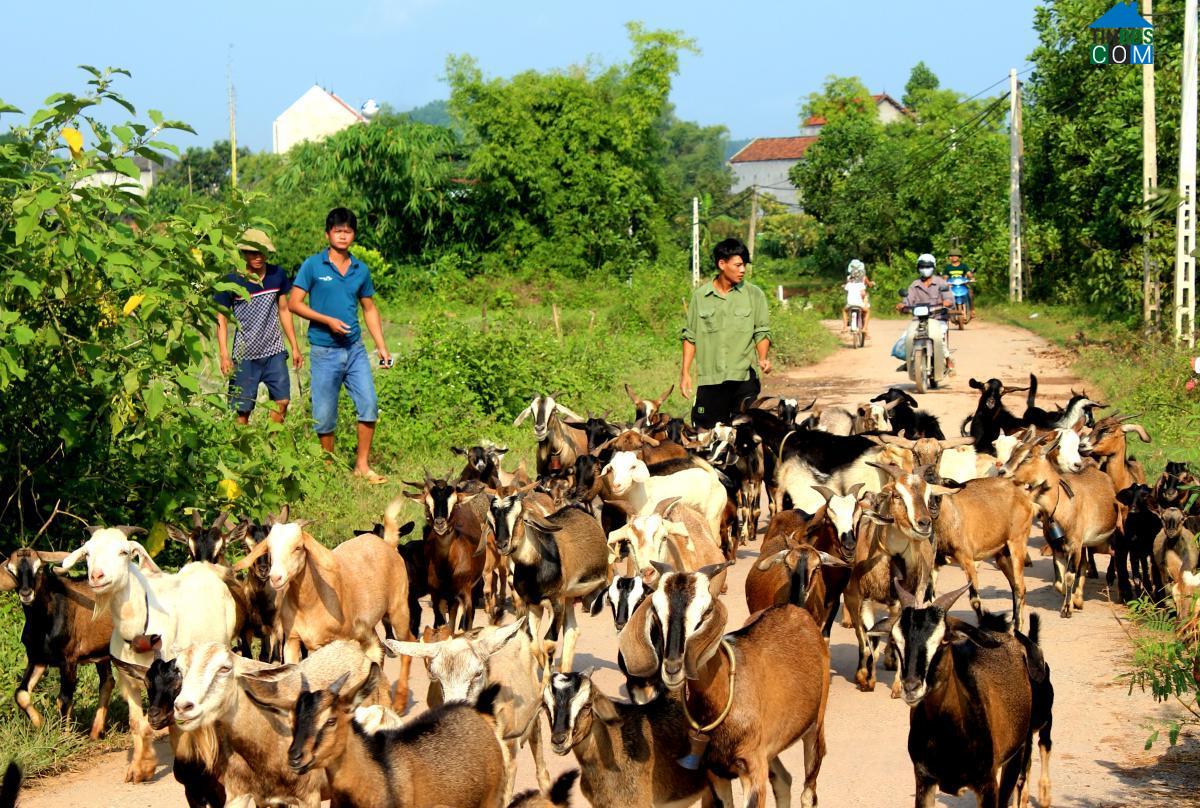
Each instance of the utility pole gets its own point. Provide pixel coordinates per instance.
(1016, 291)
(232, 121)
(753, 220)
(1150, 285)
(1185, 217)
(695, 241)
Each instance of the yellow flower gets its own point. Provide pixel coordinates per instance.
(132, 303)
(199, 256)
(74, 141)
(228, 489)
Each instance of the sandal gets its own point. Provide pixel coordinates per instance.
(370, 477)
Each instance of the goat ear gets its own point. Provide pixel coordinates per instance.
(632, 395)
(663, 508)
(950, 443)
(458, 450)
(73, 559)
(975, 383)
(766, 562)
(831, 561)
(265, 693)
(636, 644)
(659, 401)
(239, 533)
(417, 650)
(662, 567)
(143, 557)
(7, 582)
(877, 518)
(132, 670)
(598, 603)
(705, 641)
(494, 641)
(258, 552)
(524, 414)
(603, 708)
(1139, 430)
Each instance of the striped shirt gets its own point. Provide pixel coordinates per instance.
(258, 334)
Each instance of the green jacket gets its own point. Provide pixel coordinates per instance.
(725, 331)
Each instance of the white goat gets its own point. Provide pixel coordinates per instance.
(674, 534)
(464, 665)
(152, 610)
(629, 481)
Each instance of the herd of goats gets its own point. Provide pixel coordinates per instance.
(268, 673)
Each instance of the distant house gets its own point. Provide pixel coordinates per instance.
(149, 173)
(313, 116)
(766, 161)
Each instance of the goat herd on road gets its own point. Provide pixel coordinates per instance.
(268, 674)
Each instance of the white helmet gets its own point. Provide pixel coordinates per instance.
(855, 266)
(926, 264)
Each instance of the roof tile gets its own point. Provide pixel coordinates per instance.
(773, 148)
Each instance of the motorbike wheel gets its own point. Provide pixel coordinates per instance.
(922, 364)
(960, 316)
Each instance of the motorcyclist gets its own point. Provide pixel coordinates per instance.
(957, 269)
(931, 290)
(856, 286)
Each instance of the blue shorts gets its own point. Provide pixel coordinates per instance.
(250, 373)
(331, 369)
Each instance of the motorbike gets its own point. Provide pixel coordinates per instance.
(923, 347)
(963, 312)
(858, 337)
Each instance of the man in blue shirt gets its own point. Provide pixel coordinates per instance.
(336, 284)
(263, 320)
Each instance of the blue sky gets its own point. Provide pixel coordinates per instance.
(758, 60)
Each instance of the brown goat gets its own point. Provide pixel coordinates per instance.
(59, 631)
(778, 696)
(647, 408)
(1175, 561)
(987, 518)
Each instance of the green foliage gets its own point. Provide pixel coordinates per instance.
(882, 192)
(566, 166)
(1165, 663)
(921, 81)
(103, 310)
(1083, 148)
(695, 164)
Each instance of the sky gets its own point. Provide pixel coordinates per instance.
(758, 61)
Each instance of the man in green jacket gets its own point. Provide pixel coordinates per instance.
(727, 335)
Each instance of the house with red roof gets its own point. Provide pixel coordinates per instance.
(313, 116)
(766, 161)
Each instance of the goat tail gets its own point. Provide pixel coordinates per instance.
(12, 785)
(391, 522)
(1031, 396)
(997, 622)
(1035, 629)
(963, 428)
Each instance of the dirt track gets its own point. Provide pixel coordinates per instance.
(1098, 729)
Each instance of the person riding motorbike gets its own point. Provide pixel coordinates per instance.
(931, 290)
(957, 269)
(856, 286)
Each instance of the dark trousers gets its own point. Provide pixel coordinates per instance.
(720, 402)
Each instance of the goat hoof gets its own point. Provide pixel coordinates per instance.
(140, 772)
(896, 689)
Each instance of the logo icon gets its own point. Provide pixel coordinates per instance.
(1122, 37)
(326, 278)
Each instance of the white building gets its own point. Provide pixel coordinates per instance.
(766, 161)
(315, 115)
(149, 173)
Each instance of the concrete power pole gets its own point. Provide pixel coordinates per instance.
(753, 220)
(1185, 218)
(232, 122)
(695, 241)
(1016, 287)
(1150, 285)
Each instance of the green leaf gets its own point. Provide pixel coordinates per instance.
(21, 334)
(155, 116)
(123, 133)
(189, 383)
(40, 116)
(24, 225)
(131, 381)
(126, 166)
(154, 398)
(8, 108)
(47, 198)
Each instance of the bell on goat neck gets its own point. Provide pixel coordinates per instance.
(697, 743)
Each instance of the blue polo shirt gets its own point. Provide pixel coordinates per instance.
(335, 295)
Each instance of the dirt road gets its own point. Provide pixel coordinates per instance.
(1098, 728)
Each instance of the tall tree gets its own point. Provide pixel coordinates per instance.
(921, 81)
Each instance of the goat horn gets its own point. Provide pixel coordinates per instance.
(659, 401)
(222, 518)
(891, 405)
(632, 395)
(1139, 429)
(283, 514)
(906, 598)
(1005, 390)
(197, 522)
(944, 602)
(950, 443)
(130, 530)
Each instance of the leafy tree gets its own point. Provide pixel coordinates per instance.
(695, 161)
(567, 166)
(920, 82)
(1083, 146)
(103, 311)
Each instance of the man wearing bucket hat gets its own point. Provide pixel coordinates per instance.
(263, 319)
